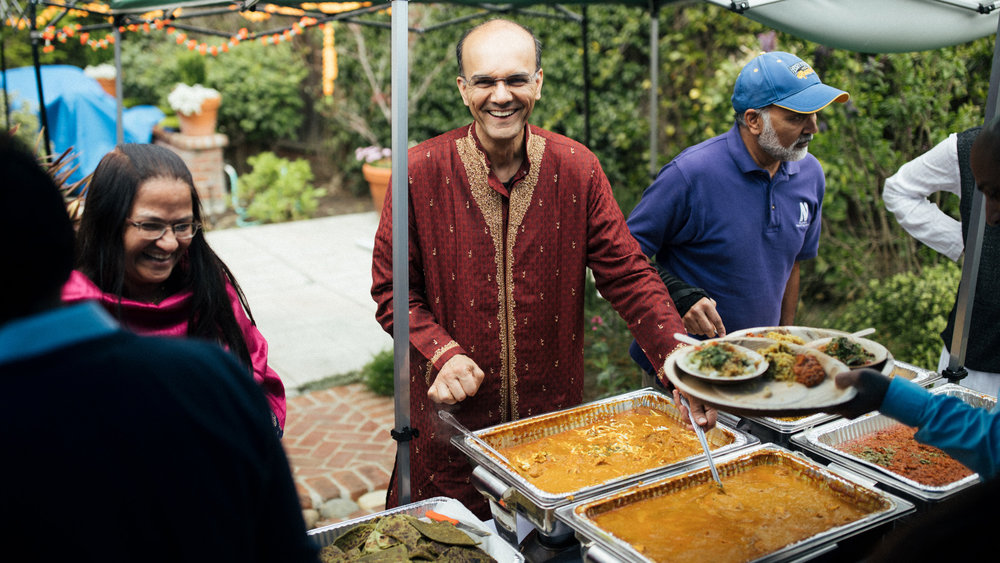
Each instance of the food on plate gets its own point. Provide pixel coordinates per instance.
(612, 446)
(780, 361)
(719, 359)
(808, 370)
(401, 537)
(848, 351)
(763, 509)
(784, 365)
(780, 336)
(895, 449)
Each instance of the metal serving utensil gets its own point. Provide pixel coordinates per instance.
(450, 419)
(704, 443)
(698, 429)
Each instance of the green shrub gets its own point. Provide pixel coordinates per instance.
(909, 311)
(260, 87)
(377, 374)
(191, 68)
(278, 189)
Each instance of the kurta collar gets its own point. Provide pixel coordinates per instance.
(522, 171)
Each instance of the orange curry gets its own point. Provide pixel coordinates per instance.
(762, 510)
(621, 444)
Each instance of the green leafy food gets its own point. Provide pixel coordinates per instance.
(401, 537)
(848, 351)
(721, 360)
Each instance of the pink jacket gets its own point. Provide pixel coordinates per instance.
(170, 318)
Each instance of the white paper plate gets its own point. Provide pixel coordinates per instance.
(684, 362)
(765, 396)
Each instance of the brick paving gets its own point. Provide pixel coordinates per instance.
(338, 444)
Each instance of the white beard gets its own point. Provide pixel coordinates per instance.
(768, 141)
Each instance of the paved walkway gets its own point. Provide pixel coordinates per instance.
(308, 286)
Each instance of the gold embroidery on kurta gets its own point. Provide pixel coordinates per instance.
(490, 204)
(437, 355)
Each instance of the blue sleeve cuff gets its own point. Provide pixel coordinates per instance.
(905, 401)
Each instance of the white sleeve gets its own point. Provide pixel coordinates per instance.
(906, 195)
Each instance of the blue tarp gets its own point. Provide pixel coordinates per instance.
(81, 115)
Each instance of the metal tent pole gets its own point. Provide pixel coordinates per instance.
(119, 124)
(36, 60)
(585, 39)
(973, 247)
(3, 76)
(400, 245)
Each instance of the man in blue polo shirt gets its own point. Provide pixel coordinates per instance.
(730, 219)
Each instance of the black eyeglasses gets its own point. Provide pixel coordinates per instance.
(513, 81)
(153, 230)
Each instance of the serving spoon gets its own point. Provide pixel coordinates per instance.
(704, 442)
(698, 429)
(450, 419)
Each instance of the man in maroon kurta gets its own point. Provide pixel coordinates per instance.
(504, 220)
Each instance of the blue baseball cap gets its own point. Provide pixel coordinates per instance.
(784, 80)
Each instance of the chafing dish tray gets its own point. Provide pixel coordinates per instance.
(520, 495)
(780, 430)
(491, 544)
(824, 440)
(597, 544)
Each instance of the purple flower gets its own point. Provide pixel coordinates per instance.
(372, 153)
(768, 41)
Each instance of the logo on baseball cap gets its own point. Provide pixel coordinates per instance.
(784, 80)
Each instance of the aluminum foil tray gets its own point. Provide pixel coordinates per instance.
(787, 427)
(537, 505)
(492, 544)
(823, 440)
(599, 545)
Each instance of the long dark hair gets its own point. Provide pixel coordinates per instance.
(101, 249)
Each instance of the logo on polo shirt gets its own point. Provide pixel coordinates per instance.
(803, 214)
(801, 69)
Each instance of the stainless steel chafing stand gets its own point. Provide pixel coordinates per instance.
(496, 547)
(597, 545)
(510, 494)
(821, 443)
(780, 431)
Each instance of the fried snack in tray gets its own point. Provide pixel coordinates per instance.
(401, 537)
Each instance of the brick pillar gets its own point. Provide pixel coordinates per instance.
(203, 156)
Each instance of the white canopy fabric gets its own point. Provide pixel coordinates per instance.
(876, 26)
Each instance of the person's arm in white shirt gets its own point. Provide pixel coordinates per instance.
(906, 195)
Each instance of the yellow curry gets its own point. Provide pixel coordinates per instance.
(622, 444)
(762, 510)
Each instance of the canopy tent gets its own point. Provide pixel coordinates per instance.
(82, 114)
(881, 23)
(858, 25)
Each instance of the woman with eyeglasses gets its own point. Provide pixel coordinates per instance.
(141, 253)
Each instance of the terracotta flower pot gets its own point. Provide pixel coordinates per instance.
(202, 123)
(108, 84)
(378, 183)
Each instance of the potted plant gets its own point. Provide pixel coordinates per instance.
(196, 106)
(377, 168)
(104, 74)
